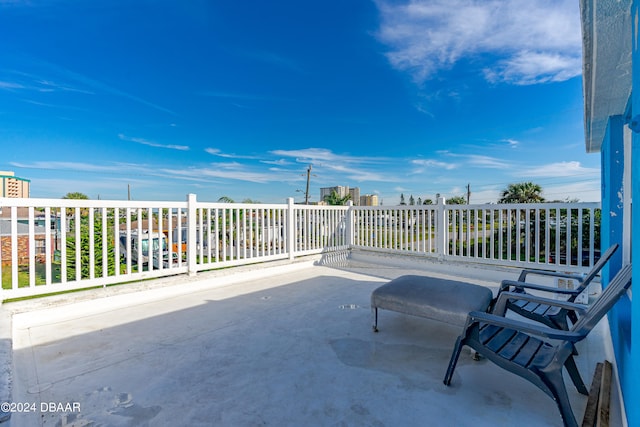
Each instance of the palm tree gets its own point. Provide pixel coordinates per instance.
(76, 195)
(456, 200)
(334, 199)
(523, 192)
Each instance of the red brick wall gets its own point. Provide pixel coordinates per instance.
(23, 249)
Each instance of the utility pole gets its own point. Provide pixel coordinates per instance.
(468, 193)
(306, 193)
(128, 191)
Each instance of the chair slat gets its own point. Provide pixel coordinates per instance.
(527, 352)
(514, 346)
(486, 332)
(544, 355)
(541, 309)
(500, 339)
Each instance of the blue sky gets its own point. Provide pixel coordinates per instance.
(236, 99)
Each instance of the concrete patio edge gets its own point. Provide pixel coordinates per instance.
(6, 351)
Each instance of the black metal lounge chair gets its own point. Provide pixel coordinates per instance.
(542, 311)
(525, 348)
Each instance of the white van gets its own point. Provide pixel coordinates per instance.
(157, 242)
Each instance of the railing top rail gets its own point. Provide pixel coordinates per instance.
(321, 207)
(400, 207)
(72, 203)
(489, 206)
(36, 202)
(554, 205)
(221, 205)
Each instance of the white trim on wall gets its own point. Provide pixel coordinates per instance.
(627, 197)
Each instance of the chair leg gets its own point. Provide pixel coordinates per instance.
(572, 369)
(559, 394)
(454, 360)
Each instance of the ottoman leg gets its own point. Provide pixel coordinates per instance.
(374, 315)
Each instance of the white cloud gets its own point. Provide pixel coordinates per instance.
(234, 171)
(279, 162)
(512, 142)
(535, 67)
(94, 85)
(561, 169)
(531, 41)
(322, 155)
(217, 152)
(75, 166)
(310, 154)
(400, 189)
(109, 187)
(153, 144)
(10, 85)
(586, 191)
(230, 170)
(428, 163)
(368, 176)
(488, 162)
(484, 196)
(346, 166)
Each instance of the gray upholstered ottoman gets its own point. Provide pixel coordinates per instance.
(439, 299)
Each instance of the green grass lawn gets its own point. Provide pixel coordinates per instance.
(40, 272)
(23, 275)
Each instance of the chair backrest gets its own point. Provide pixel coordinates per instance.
(604, 258)
(611, 294)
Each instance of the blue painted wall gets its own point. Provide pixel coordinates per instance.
(612, 193)
(612, 232)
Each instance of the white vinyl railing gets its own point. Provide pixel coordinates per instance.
(553, 236)
(55, 245)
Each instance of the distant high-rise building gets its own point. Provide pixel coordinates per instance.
(355, 195)
(369, 200)
(13, 186)
(342, 191)
(326, 191)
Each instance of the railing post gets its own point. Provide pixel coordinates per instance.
(350, 226)
(442, 226)
(14, 247)
(191, 234)
(291, 228)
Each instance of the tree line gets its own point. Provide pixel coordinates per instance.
(522, 192)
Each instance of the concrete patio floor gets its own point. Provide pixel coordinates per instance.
(290, 345)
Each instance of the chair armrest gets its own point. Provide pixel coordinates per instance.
(500, 307)
(506, 284)
(525, 272)
(520, 326)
